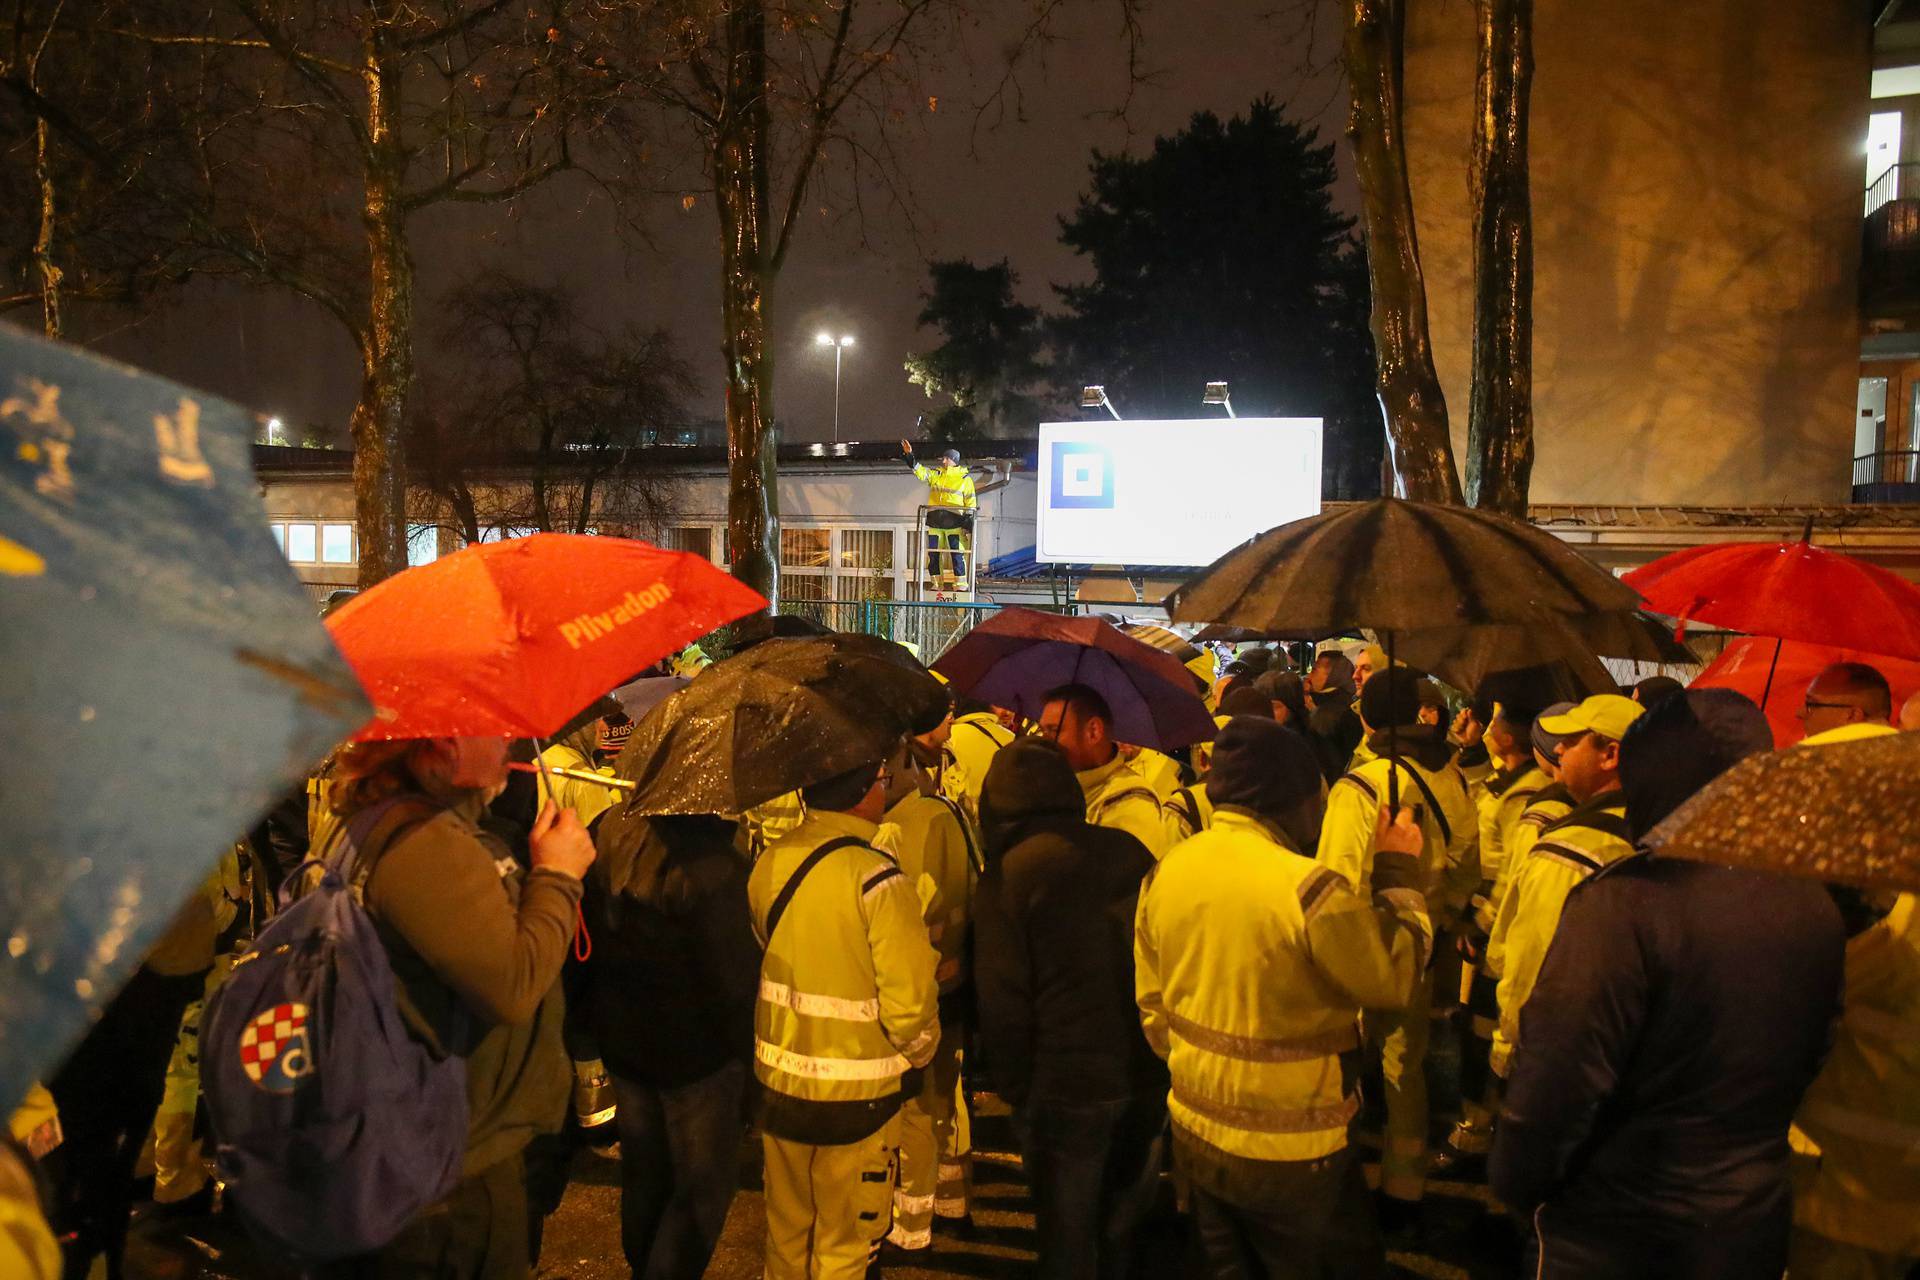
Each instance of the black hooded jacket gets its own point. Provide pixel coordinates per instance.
(1682, 1011)
(669, 986)
(1053, 939)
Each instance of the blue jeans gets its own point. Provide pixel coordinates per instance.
(679, 1167)
(1094, 1168)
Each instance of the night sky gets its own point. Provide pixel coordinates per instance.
(983, 193)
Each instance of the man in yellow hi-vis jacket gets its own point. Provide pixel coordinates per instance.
(848, 1005)
(1429, 781)
(935, 847)
(1252, 964)
(950, 501)
(1591, 836)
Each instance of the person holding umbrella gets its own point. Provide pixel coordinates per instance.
(1078, 720)
(848, 1008)
(1417, 760)
(477, 952)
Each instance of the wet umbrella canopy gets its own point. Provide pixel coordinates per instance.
(167, 677)
(1013, 658)
(1842, 812)
(784, 714)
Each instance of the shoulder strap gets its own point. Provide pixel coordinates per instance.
(1107, 802)
(800, 873)
(966, 832)
(1439, 814)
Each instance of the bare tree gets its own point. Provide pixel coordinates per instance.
(1500, 414)
(1419, 446)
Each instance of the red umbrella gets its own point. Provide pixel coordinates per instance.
(1014, 657)
(1744, 665)
(1789, 590)
(513, 639)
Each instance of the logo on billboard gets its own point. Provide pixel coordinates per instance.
(1082, 475)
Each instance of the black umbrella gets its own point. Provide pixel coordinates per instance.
(786, 713)
(167, 678)
(1462, 656)
(1399, 567)
(1393, 565)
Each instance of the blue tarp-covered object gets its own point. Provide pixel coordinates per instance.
(165, 678)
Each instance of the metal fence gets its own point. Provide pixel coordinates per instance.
(929, 626)
(1891, 466)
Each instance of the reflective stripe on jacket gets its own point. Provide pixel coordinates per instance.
(847, 996)
(1251, 966)
(1591, 836)
(927, 837)
(1120, 799)
(946, 486)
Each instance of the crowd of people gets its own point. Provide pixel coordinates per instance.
(1193, 976)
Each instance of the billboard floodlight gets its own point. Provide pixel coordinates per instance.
(1095, 397)
(1216, 393)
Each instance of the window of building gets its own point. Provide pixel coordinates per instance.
(336, 544)
(806, 548)
(694, 539)
(1896, 82)
(805, 586)
(866, 549)
(279, 532)
(303, 542)
(423, 543)
(1883, 158)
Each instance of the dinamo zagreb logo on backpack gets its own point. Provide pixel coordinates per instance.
(273, 1049)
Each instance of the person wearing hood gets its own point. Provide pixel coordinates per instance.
(1592, 835)
(1078, 720)
(667, 993)
(1053, 964)
(1677, 1021)
(1332, 724)
(932, 840)
(1252, 966)
(1855, 1182)
(1425, 777)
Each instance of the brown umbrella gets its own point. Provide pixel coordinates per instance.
(1842, 812)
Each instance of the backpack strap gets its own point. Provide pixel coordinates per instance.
(1108, 801)
(966, 833)
(800, 873)
(369, 831)
(1439, 814)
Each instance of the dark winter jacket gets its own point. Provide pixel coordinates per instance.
(1053, 939)
(669, 985)
(1682, 1011)
(1335, 730)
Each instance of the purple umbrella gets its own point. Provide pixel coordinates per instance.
(1014, 657)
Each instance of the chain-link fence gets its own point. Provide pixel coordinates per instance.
(930, 627)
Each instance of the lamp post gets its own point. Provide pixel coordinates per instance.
(839, 346)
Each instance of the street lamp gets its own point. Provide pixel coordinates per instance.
(1095, 397)
(1216, 393)
(839, 346)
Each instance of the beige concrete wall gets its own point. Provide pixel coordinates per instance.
(1697, 175)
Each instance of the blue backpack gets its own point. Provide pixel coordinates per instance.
(333, 1126)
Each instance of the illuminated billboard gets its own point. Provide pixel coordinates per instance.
(1171, 492)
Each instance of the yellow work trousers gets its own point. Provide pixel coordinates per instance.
(1400, 1038)
(935, 1167)
(828, 1207)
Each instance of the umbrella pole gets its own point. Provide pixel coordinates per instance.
(1771, 668)
(1393, 749)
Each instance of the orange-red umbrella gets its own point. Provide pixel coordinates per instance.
(513, 639)
(1744, 666)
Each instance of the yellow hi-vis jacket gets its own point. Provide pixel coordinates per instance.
(1857, 1134)
(932, 842)
(1503, 800)
(1119, 798)
(1251, 966)
(587, 800)
(976, 739)
(1592, 836)
(946, 486)
(1449, 864)
(1188, 814)
(847, 996)
(1158, 770)
(767, 824)
(1550, 804)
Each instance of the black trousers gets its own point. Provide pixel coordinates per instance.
(479, 1232)
(1094, 1168)
(1285, 1220)
(679, 1167)
(107, 1093)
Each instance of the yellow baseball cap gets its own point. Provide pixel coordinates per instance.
(1607, 714)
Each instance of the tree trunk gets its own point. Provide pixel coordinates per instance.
(1419, 447)
(49, 270)
(1500, 416)
(741, 196)
(379, 458)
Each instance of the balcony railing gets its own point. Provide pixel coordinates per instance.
(1889, 476)
(1889, 185)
